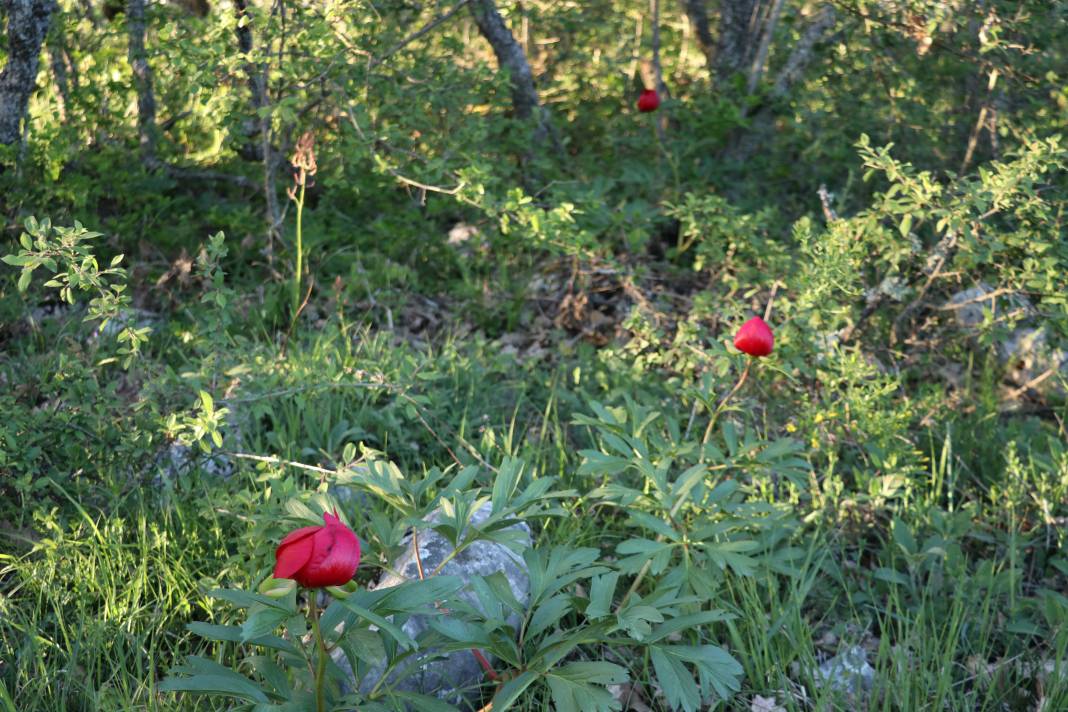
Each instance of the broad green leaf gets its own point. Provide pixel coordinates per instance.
(261, 622)
(510, 691)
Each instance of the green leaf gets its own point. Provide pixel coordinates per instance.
(637, 620)
(548, 614)
(262, 622)
(207, 677)
(244, 599)
(505, 483)
(402, 638)
(718, 671)
(675, 680)
(460, 631)
(906, 225)
(573, 686)
(903, 536)
(272, 673)
(237, 686)
(602, 592)
(687, 481)
(232, 634)
(689, 622)
(510, 691)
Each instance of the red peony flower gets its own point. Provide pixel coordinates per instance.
(755, 338)
(316, 557)
(648, 101)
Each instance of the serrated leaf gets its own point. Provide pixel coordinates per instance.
(675, 680)
(602, 593)
(572, 694)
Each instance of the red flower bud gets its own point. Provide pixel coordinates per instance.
(755, 338)
(648, 101)
(316, 557)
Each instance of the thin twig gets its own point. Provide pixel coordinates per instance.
(771, 300)
(272, 460)
(1017, 392)
(415, 552)
(417, 34)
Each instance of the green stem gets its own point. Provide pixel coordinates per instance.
(320, 668)
(723, 404)
(300, 247)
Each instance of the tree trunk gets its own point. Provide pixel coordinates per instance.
(258, 129)
(697, 11)
(253, 127)
(27, 24)
(511, 58)
(766, 36)
(739, 26)
(804, 51)
(142, 78)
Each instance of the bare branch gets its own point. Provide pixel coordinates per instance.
(803, 51)
(757, 68)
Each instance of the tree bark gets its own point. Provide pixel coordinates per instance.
(511, 58)
(738, 27)
(27, 24)
(254, 127)
(697, 11)
(258, 131)
(804, 51)
(766, 36)
(142, 79)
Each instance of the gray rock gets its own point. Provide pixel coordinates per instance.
(848, 672)
(1026, 353)
(1027, 356)
(968, 305)
(178, 459)
(456, 677)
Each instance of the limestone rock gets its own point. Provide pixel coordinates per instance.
(848, 672)
(456, 677)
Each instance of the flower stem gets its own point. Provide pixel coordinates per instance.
(300, 246)
(320, 669)
(485, 663)
(723, 404)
